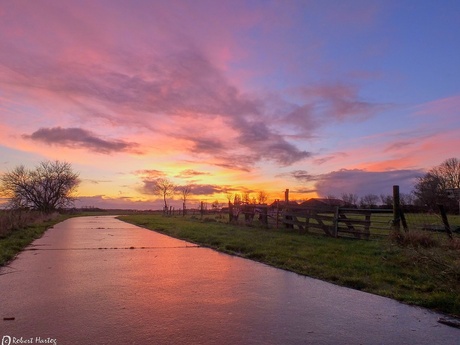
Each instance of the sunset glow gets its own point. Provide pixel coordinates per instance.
(321, 97)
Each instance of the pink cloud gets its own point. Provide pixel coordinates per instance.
(133, 79)
(227, 84)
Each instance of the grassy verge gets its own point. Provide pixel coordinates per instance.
(13, 241)
(416, 275)
(19, 228)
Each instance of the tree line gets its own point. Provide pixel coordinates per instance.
(52, 186)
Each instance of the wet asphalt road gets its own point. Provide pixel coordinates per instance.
(97, 280)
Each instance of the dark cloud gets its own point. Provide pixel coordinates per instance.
(206, 145)
(302, 176)
(265, 144)
(148, 187)
(80, 138)
(206, 189)
(363, 182)
(302, 117)
(305, 191)
(236, 163)
(149, 179)
(285, 153)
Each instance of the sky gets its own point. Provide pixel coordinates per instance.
(319, 97)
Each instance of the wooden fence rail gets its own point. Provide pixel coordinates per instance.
(337, 221)
(332, 221)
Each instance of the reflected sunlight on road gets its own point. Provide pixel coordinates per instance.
(99, 279)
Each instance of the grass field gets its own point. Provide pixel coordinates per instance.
(412, 271)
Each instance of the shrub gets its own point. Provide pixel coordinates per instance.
(12, 220)
(414, 239)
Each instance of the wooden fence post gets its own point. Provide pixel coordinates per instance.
(286, 209)
(445, 221)
(396, 209)
(335, 223)
(265, 216)
(230, 211)
(277, 212)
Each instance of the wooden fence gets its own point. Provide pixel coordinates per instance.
(338, 222)
(333, 220)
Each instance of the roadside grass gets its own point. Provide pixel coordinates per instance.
(21, 234)
(19, 228)
(411, 273)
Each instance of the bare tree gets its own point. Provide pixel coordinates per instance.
(431, 188)
(369, 200)
(246, 198)
(386, 200)
(350, 198)
(449, 173)
(185, 191)
(47, 188)
(262, 197)
(237, 199)
(406, 199)
(165, 188)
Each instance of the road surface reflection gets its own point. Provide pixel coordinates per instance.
(101, 281)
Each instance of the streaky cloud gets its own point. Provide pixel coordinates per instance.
(206, 189)
(81, 138)
(150, 173)
(322, 160)
(190, 173)
(302, 176)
